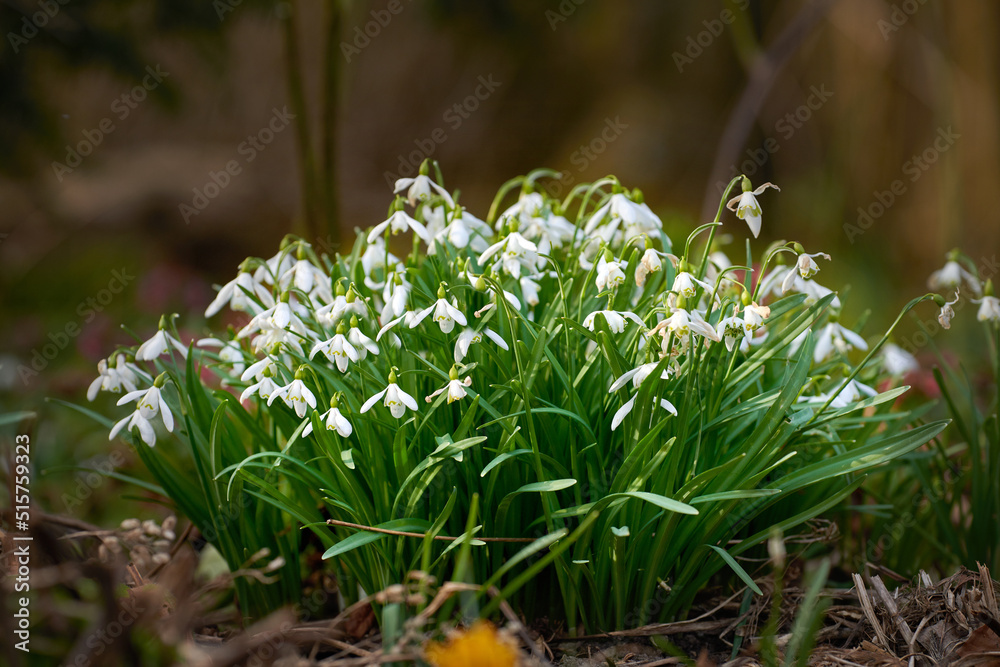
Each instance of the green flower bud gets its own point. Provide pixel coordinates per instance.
(392, 375)
(939, 301)
(746, 184)
(453, 374)
(160, 380)
(988, 287)
(441, 291)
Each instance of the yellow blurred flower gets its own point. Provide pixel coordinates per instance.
(479, 646)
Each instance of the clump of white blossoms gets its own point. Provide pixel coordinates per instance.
(437, 302)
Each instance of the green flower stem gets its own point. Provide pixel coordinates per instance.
(871, 354)
(718, 218)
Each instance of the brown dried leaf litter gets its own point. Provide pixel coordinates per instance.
(952, 623)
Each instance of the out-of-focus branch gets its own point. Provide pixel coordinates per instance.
(763, 74)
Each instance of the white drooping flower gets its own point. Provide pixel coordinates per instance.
(835, 337)
(445, 314)
(754, 316)
(852, 392)
(393, 398)
(230, 353)
(515, 253)
(805, 267)
(279, 317)
(897, 361)
(733, 330)
(746, 206)
(273, 268)
(511, 299)
(683, 323)
(343, 306)
(296, 395)
(264, 387)
(529, 206)
(529, 290)
(614, 318)
(686, 285)
(237, 294)
(408, 319)
(122, 375)
(159, 345)
(774, 284)
(303, 275)
(396, 294)
(462, 230)
(398, 223)
(334, 420)
(149, 404)
(989, 309)
(420, 189)
(362, 343)
(638, 375)
(135, 420)
(376, 256)
(338, 349)
(470, 336)
(636, 218)
(952, 276)
(650, 263)
(610, 273)
(454, 387)
(947, 312)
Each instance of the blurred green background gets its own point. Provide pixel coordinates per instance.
(152, 139)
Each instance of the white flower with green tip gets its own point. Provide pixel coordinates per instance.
(393, 398)
(746, 206)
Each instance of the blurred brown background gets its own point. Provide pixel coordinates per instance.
(838, 102)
